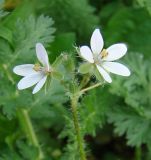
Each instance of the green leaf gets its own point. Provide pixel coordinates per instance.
(22, 11)
(9, 155)
(6, 34)
(78, 13)
(146, 4)
(11, 128)
(28, 152)
(124, 21)
(129, 122)
(63, 43)
(39, 30)
(134, 108)
(93, 110)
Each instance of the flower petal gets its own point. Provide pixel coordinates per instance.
(24, 70)
(42, 55)
(115, 52)
(116, 68)
(104, 74)
(86, 54)
(39, 85)
(96, 42)
(30, 80)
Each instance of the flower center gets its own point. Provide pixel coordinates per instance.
(38, 68)
(99, 58)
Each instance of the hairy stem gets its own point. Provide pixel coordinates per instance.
(29, 131)
(74, 101)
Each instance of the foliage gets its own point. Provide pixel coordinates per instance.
(59, 25)
(133, 118)
(92, 112)
(71, 16)
(124, 24)
(145, 3)
(16, 43)
(23, 43)
(71, 150)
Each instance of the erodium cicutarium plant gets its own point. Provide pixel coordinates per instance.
(99, 62)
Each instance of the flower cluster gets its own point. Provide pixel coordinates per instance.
(102, 59)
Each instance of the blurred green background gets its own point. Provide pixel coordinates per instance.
(116, 118)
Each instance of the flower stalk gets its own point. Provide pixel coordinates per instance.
(91, 87)
(29, 131)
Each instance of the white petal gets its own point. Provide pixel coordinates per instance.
(116, 51)
(39, 85)
(30, 80)
(116, 68)
(86, 54)
(24, 70)
(42, 55)
(96, 42)
(104, 74)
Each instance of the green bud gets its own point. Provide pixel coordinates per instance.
(85, 68)
(57, 75)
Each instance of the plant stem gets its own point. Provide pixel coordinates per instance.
(29, 131)
(91, 87)
(74, 101)
(138, 153)
(5, 67)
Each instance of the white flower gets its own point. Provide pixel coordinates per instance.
(103, 59)
(34, 74)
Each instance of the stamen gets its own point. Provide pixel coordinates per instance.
(104, 53)
(37, 67)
